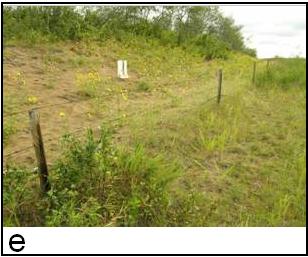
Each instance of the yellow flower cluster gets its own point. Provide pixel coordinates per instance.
(32, 99)
(20, 79)
(88, 82)
(94, 76)
(124, 94)
(89, 77)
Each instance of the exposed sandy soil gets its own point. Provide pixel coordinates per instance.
(49, 74)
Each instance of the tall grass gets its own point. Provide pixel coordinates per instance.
(9, 128)
(283, 73)
(244, 163)
(244, 160)
(244, 166)
(94, 184)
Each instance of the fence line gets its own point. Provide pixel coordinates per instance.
(52, 139)
(25, 131)
(77, 130)
(17, 151)
(82, 100)
(25, 111)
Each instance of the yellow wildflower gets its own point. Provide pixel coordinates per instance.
(61, 114)
(32, 99)
(124, 96)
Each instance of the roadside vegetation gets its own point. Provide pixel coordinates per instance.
(283, 73)
(159, 150)
(203, 30)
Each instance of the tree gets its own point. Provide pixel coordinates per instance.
(230, 33)
(199, 27)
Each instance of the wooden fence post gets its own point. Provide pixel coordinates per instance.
(219, 78)
(39, 149)
(254, 73)
(268, 65)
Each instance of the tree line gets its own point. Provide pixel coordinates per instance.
(203, 29)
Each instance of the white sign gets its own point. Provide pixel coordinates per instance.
(122, 69)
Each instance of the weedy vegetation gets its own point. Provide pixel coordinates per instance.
(165, 154)
(284, 73)
(95, 184)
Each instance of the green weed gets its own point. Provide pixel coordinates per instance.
(143, 86)
(283, 73)
(88, 83)
(9, 128)
(95, 184)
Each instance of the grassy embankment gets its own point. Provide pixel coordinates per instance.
(172, 157)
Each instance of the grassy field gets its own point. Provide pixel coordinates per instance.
(161, 151)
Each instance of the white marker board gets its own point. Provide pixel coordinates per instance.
(122, 69)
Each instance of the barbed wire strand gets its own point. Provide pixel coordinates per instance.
(84, 128)
(25, 111)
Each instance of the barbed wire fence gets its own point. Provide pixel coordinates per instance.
(39, 145)
(26, 111)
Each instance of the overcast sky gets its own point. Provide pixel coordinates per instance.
(272, 30)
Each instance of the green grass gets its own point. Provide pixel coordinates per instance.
(9, 128)
(243, 164)
(181, 160)
(10, 122)
(284, 73)
(243, 160)
(94, 184)
(143, 86)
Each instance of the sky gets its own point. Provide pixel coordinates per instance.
(272, 30)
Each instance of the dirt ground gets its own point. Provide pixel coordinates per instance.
(49, 74)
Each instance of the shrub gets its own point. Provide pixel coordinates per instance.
(52, 23)
(211, 48)
(21, 203)
(95, 184)
(88, 83)
(143, 86)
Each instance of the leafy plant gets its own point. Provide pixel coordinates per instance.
(9, 128)
(143, 86)
(211, 47)
(96, 184)
(88, 83)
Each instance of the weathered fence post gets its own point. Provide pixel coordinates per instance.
(39, 149)
(219, 78)
(254, 73)
(268, 65)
